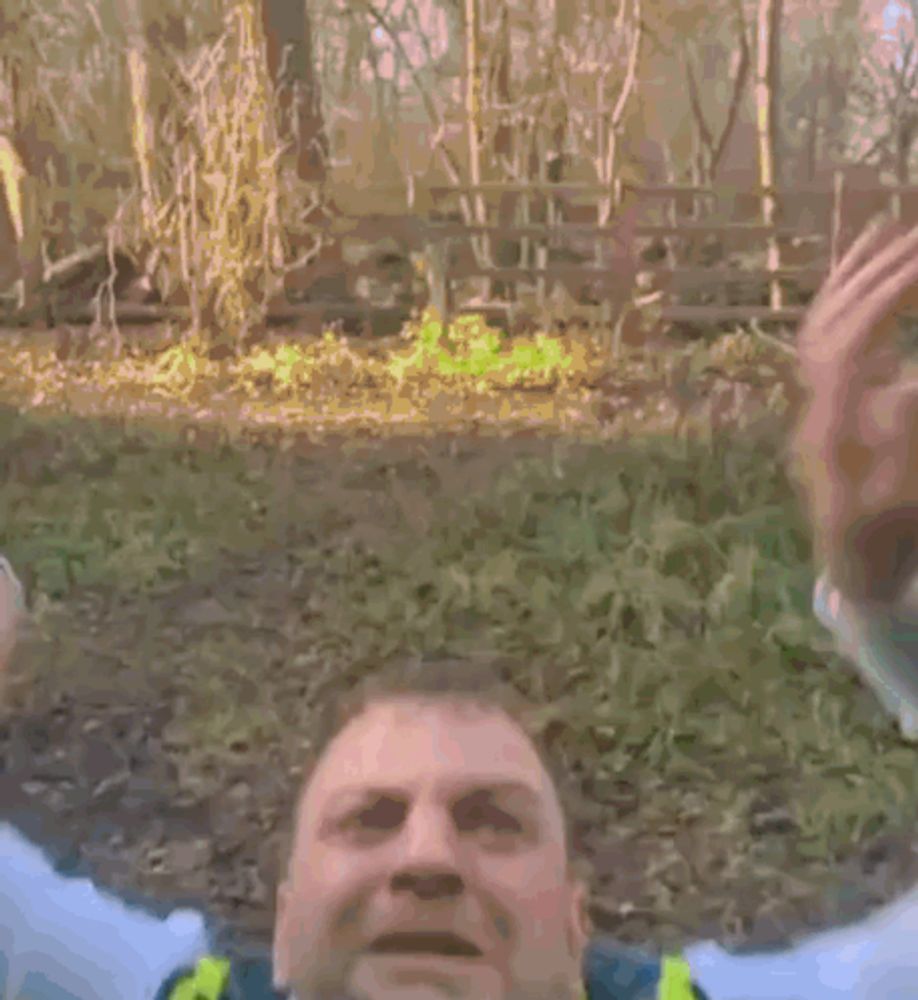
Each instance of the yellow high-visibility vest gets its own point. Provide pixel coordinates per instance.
(211, 977)
(675, 979)
(207, 982)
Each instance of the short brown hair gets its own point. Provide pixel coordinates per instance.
(483, 682)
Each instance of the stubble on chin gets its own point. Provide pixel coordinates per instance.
(362, 987)
(369, 982)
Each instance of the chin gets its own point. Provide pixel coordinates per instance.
(380, 977)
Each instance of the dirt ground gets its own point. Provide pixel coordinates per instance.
(96, 768)
(96, 764)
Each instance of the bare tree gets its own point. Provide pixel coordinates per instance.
(710, 142)
(884, 103)
(473, 121)
(142, 124)
(822, 44)
(629, 30)
(291, 63)
(502, 148)
(435, 107)
(21, 154)
(766, 90)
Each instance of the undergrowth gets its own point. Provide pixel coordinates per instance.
(652, 592)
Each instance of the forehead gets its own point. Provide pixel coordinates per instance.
(415, 743)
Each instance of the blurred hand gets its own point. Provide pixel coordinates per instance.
(11, 608)
(856, 445)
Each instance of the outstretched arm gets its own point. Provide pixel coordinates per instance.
(856, 452)
(856, 445)
(874, 959)
(61, 938)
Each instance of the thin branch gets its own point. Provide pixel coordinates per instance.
(631, 74)
(739, 82)
(662, 47)
(704, 133)
(421, 35)
(430, 108)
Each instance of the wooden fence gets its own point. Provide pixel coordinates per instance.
(457, 252)
(847, 209)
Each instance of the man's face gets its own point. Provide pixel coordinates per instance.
(429, 828)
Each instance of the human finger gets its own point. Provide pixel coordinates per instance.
(828, 325)
(891, 414)
(878, 233)
(877, 253)
(860, 317)
(893, 251)
(875, 235)
(877, 296)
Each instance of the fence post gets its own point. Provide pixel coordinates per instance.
(608, 322)
(895, 203)
(838, 191)
(437, 255)
(410, 193)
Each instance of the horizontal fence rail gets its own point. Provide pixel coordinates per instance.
(824, 244)
(683, 277)
(651, 190)
(441, 230)
(452, 251)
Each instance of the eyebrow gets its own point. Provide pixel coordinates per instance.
(469, 788)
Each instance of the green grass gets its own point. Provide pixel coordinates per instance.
(470, 349)
(653, 593)
(90, 505)
(664, 591)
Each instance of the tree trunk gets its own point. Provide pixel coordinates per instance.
(288, 41)
(737, 91)
(903, 151)
(811, 144)
(482, 246)
(766, 92)
(143, 136)
(19, 197)
(612, 123)
(500, 90)
(566, 12)
(506, 251)
(21, 163)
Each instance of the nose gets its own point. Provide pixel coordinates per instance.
(427, 866)
(428, 885)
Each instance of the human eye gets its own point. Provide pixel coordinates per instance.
(380, 815)
(477, 815)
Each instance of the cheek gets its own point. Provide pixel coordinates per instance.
(331, 890)
(530, 889)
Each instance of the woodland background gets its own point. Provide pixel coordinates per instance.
(222, 522)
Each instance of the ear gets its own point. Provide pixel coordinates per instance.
(281, 949)
(580, 927)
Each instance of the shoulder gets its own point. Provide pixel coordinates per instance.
(219, 978)
(57, 932)
(614, 971)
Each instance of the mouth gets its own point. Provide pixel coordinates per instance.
(442, 943)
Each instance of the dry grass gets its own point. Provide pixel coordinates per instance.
(653, 589)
